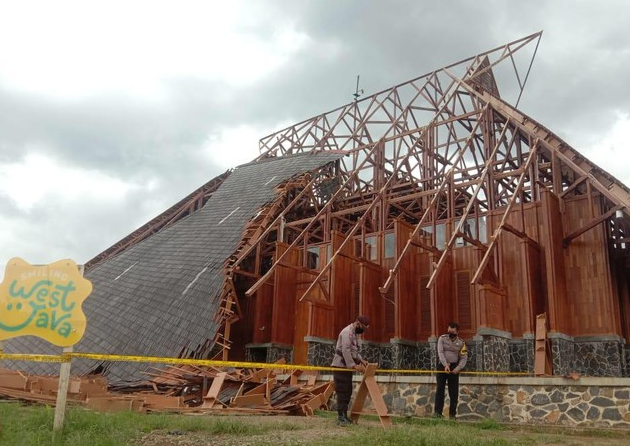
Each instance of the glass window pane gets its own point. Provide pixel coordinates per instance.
(390, 245)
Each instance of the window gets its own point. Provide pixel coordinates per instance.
(440, 242)
(312, 257)
(390, 245)
(372, 248)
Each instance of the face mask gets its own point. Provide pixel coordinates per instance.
(358, 330)
(452, 335)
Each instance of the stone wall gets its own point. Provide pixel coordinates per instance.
(587, 402)
(588, 356)
(522, 354)
(269, 352)
(490, 350)
(320, 351)
(493, 351)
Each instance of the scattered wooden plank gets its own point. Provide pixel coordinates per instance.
(182, 389)
(210, 400)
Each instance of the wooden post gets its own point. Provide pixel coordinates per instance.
(542, 360)
(64, 379)
(368, 386)
(62, 392)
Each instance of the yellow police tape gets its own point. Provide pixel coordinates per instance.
(67, 357)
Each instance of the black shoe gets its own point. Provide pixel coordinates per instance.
(343, 422)
(437, 415)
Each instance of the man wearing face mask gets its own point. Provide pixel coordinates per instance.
(452, 357)
(347, 356)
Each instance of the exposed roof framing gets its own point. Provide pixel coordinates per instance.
(441, 146)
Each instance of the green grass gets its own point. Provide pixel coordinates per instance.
(31, 425)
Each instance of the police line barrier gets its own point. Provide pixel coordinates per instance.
(67, 357)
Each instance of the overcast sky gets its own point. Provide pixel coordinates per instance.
(112, 111)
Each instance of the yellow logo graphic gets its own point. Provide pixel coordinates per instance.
(43, 301)
(463, 351)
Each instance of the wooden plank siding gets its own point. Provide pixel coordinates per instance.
(591, 305)
(285, 286)
(443, 298)
(520, 272)
(406, 286)
(526, 276)
(342, 292)
(301, 329)
(263, 304)
(372, 303)
(551, 234)
(622, 288)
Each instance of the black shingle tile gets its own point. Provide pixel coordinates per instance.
(145, 310)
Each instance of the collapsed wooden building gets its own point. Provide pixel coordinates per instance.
(434, 200)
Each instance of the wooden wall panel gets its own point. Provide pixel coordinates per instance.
(464, 296)
(464, 310)
(284, 298)
(423, 310)
(425, 316)
(532, 267)
(516, 266)
(372, 303)
(591, 306)
(406, 285)
(442, 300)
(263, 304)
(555, 276)
(302, 318)
(491, 307)
(621, 279)
(343, 282)
(322, 322)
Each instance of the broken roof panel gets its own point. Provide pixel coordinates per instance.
(161, 295)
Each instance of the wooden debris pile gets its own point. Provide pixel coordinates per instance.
(182, 389)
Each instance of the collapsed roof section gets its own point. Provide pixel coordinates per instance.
(164, 296)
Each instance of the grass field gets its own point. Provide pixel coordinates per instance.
(30, 425)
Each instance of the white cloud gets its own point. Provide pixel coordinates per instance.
(611, 151)
(76, 48)
(233, 146)
(37, 178)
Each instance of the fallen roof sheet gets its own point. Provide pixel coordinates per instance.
(160, 296)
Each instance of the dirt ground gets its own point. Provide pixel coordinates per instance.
(305, 430)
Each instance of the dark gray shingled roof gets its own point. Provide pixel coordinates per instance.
(162, 294)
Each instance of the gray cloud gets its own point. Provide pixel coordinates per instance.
(576, 88)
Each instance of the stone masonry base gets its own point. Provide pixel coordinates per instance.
(587, 402)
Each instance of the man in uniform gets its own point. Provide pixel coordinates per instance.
(347, 356)
(452, 357)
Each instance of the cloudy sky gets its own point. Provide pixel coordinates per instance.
(112, 111)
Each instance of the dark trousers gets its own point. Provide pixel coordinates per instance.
(453, 390)
(343, 387)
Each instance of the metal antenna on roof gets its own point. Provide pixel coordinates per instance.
(357, 92)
